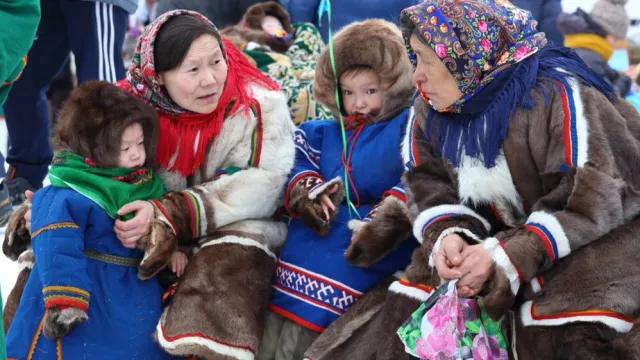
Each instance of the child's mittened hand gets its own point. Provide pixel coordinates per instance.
(178, 262)
(58, 323)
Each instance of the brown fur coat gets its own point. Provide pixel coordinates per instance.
(577, 206)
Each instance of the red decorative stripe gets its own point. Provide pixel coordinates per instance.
(164, 213)
(201, 335)
(295, 318)
(497, 214)
(540, 281)
(567, 125)
(512, 263)
(396, 194)
(425, 288)
(66, 301)
(309, 299)
(292, 183)
(595, 312)
(192, 215)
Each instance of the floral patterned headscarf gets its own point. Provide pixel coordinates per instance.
(476, 39)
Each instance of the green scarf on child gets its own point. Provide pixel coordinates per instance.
(111, 188)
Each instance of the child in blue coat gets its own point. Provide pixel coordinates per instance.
(83, 298)
(314, 283)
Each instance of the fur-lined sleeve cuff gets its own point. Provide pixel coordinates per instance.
(300, 188)
(434, 224)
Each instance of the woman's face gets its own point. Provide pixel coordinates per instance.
(197, 83)
(433, 76)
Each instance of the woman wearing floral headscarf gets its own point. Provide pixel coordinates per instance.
(225, 151)
(518, 157)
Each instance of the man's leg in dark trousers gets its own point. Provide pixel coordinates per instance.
(96, 34)
(26, 109)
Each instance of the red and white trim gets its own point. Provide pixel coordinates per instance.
(502, 260)
(171, 343)
(536, 284)
(550, 231)
(616, 321)
(432, 215)
(415, 291)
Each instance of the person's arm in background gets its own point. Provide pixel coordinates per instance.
(548, 22)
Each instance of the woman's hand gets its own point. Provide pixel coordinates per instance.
(449, 256)
(178, 262)
(27, 216)
(326, 202)
(476, 269)
(130, 231)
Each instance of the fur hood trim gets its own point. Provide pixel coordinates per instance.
(378, 44)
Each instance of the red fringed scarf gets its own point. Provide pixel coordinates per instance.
(184, 134)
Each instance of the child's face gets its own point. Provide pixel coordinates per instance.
(132, 153)
(361, 93)
(270, 24)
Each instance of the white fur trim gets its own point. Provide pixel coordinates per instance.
(553, 226)
(319, 190)
(449, 231)
(501, 259)
(619, 325)
(231, 239)
(412, 292)
(431, 213)
(25, 264)
(355, 225)
(407, 157)
(480, 185)
(238, 353)
(160, 216)
(582, 126)
(535, 285)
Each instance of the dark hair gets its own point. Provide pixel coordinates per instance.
(175, 38)
(94, 117)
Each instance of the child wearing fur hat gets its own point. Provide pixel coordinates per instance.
(315, 282)
(286, 52)
(84, 298)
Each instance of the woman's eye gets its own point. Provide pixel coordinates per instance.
(125, 149)
(217, 62)
(372, 91)
(193, 69)
(348, 92)
(141, 143)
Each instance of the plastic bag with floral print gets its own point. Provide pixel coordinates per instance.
(447, 327)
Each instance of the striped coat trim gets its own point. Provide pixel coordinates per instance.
(55, 226)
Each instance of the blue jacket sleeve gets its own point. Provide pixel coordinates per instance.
(58, 246)
(302, 10)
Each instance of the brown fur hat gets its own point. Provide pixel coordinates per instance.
(93, 118)
(376, 43)
(251, 25)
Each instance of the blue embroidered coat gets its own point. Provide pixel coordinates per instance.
(314, 284)
(81, 263)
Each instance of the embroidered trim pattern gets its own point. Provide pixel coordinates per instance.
(34, 341)
(314, 289)
(112, 259)
(66, 295)
(256, 138)
(55, 226)
(313, 155)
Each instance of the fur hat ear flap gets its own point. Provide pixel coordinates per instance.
(375, 43)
